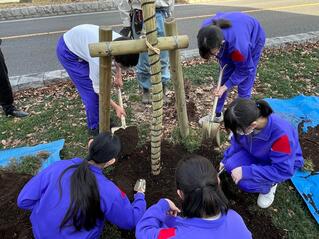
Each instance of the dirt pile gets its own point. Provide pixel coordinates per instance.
(138, 164)
(14, 222)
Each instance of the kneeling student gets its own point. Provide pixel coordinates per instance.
(205, 209)
(72, 198)
(264, 149)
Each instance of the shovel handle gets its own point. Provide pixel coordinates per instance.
(221, 72)
(119, 92)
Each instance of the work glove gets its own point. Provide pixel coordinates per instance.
(140, 186)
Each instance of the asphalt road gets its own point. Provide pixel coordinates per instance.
(29, 45)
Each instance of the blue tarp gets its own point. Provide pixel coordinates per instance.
(298, 109)
(52, 148)
(307, 184)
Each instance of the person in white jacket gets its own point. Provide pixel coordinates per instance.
(132, 18)
(73, 53)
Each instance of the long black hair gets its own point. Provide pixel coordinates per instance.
(127, 60)
(211, 36)
(197, 178)
(84, 209)
(242, 112)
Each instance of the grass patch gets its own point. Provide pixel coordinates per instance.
(191, 143)
(290, 213)
(291, 73)
(27, 164)
(201, 74)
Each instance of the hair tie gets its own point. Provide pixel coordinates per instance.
(210, 185)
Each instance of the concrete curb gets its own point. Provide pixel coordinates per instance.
(54, 10)
(51, 77)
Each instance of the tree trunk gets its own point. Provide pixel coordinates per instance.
(148, 7)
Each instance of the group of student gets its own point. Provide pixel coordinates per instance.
(72, 198)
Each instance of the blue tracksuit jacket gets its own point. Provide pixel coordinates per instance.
(41, 196)
(267, 157)
(244, 42)
(156, 224)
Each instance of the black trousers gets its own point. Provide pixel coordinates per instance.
(6, 95)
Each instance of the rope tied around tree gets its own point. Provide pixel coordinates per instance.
(151, 41)
(154, 49)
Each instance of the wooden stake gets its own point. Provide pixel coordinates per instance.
(148, 7)
(131, 47)
(105, 34)
(178, 80)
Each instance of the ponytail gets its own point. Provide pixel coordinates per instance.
(222, 23)
(214, 200)
(197, 179)
(264, 108)
(84, 208)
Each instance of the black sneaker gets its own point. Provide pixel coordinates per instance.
(12, 111)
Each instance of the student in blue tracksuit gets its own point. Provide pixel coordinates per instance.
(72, 198)
(264, 149)
(236, 40)
(73, 53)
(205, 209)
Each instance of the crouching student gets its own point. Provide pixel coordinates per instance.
(205, 209)
(264, 149)
(73, 53)
(72, 198)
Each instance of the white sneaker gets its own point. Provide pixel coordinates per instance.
(265, 200)
(206, 119)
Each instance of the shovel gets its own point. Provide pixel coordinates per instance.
(211, 129)
(127, 134)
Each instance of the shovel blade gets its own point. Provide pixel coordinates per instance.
(114, 129)
(129, 139)
(211, 131)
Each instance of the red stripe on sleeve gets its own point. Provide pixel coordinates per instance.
(237, 56)
(123, 194)
(282, 145)
(166, 233)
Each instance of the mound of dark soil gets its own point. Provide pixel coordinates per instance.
(14, 222)
(138, 164)
(129, 139)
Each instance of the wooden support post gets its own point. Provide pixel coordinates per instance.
(105, 34)
(115, 48)
(178, 80)
(148, 7)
